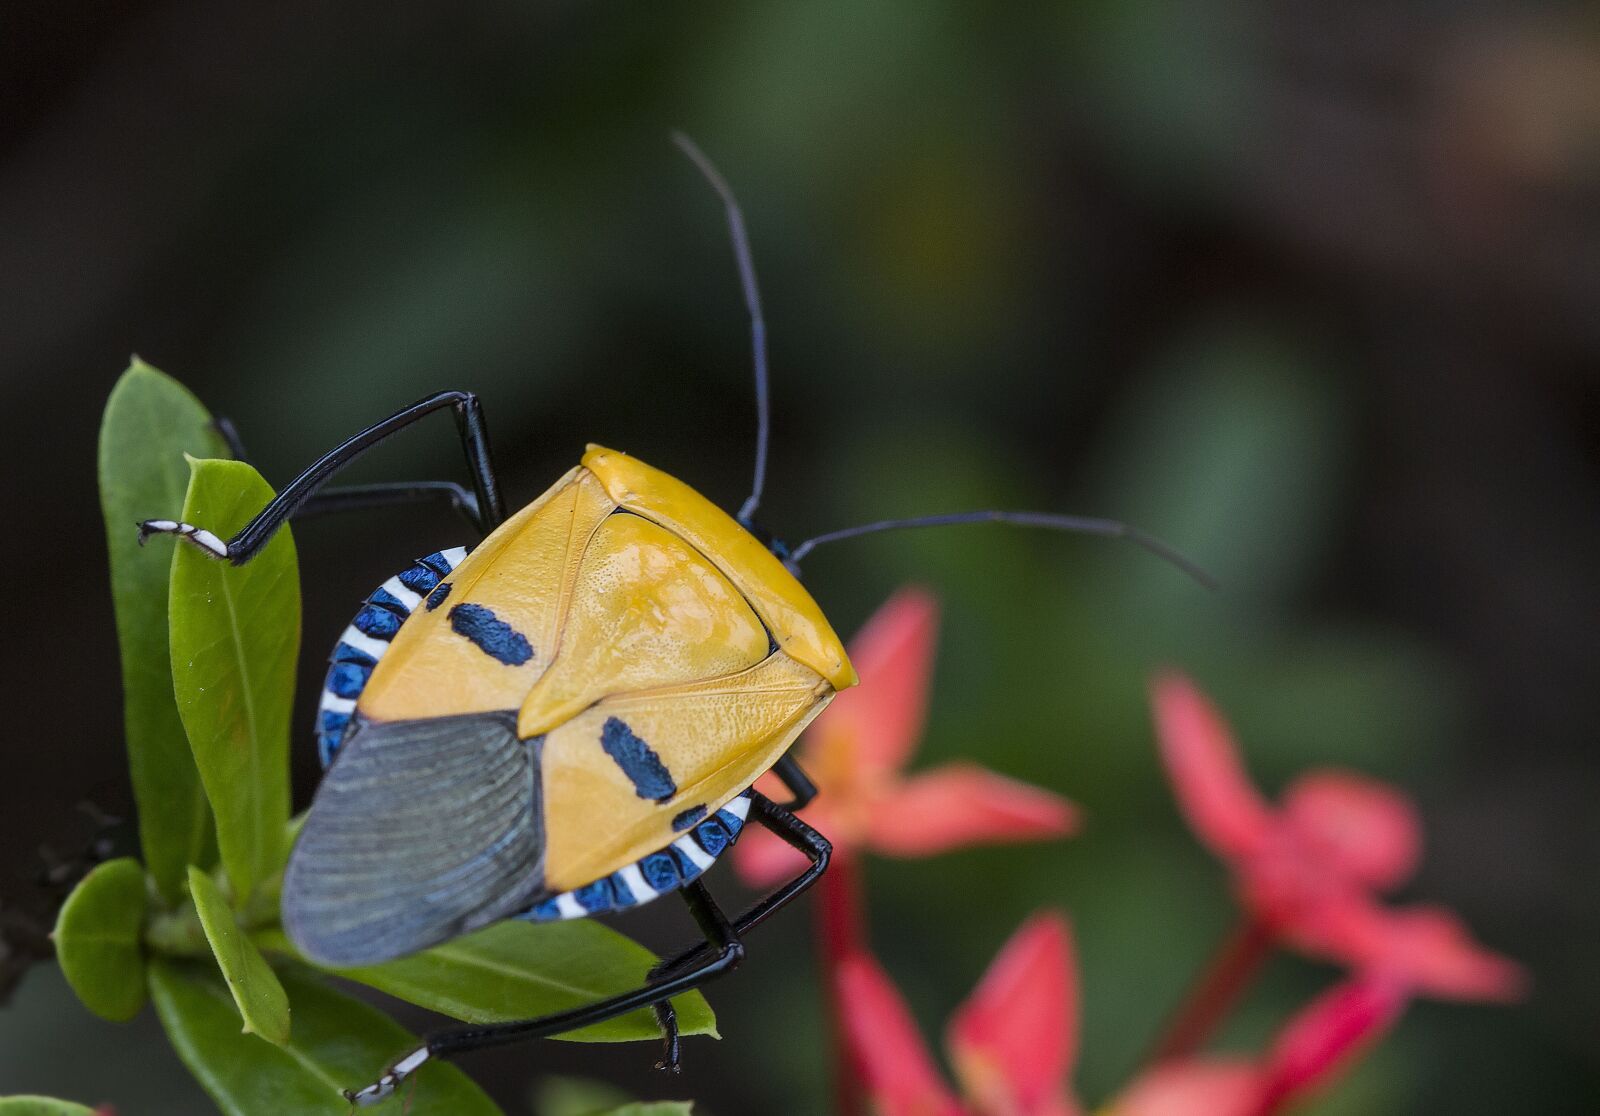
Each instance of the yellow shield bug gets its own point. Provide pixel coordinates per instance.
(574, 710)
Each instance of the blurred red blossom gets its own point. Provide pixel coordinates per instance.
(1315, 1045)
(1310, 870)
(1012, 1044)
(857, 750)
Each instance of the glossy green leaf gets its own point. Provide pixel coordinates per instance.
(337, 1044)
(150, 422)
(97, 939)
(41, 1106)
(262, 1002)
(235, 635)
(517, 970)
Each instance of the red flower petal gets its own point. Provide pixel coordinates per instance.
(1193, 1087)
(1366, 830)
(1426, 949)
(1325, 1035)
(893, 1061)
(1223, 808)
(1014, 1040)
(873, 728)
(964, 804)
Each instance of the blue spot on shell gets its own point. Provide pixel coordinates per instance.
(687, 818)
(644, 769)
(712, 837)
(344, 653)
(419, 579)
(546, 911)
(492, 635)
(596, 896)
(347, 679)
(436, 598)
(379, 623)
(660, 871)
(385, 599)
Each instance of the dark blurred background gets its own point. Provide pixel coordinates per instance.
(1311, 290)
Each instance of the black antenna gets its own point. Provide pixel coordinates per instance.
(752, 302)
(1110, 528)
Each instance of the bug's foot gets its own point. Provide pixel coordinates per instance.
(205, 541)
(385, 1086)
(667, 1018)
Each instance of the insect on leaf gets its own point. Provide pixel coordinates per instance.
(235, 634)
(516, 970)
(97, 939)
(41, 1106)
(262, 1003)
(337, 1044)
(150, 422)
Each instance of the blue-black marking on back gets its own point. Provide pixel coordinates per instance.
(492, 635)
(436, 598)
(363, 643)
(687, 818)
(639, 762)
(686, 859)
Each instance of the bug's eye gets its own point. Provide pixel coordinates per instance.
(767, 539)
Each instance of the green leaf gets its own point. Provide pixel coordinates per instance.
(97, 939)
(235, 635)
(337, 1044)
(516, 970)
(653, 1108)
(41, 1106)
(151, 421)
(262, 1002)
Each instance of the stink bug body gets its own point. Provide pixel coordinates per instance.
(574, 710)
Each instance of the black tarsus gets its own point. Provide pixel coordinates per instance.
(752, 301)
(471, 427)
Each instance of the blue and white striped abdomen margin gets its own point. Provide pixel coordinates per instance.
(363, 643)
(684, 860)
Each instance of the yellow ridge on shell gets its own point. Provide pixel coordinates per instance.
(797, 623)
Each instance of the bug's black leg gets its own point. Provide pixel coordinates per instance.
(798, 835)
(470, 426)
(230, 435)
(793, 776)
(722, 945)
(338, 499)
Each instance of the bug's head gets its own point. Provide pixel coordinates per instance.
(780, 549)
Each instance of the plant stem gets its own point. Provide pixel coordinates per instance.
(1219, 987)
(841, 931)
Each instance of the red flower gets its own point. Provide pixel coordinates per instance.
(1310, 870)
(1308, 1053)
(1014, 1041)
(1012, 1044)
(857, 749)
